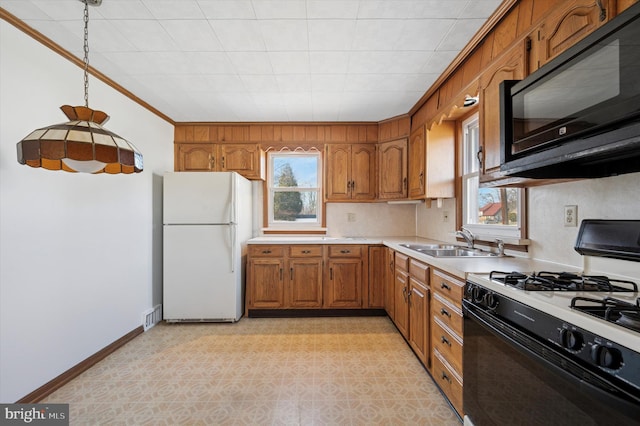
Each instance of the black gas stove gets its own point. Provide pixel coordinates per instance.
(573, 339)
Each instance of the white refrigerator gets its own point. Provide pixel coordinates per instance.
(206, 224)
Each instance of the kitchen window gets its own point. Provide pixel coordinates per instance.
(294, 186)
(487, 212)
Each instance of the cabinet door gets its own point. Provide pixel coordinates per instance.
(511, 66)
(245, 159)
(337, 172)
(343, 286)
(195, 157)
(305, 283)
(389, 279)
(571, 22)
(267, 283)
(417, 162)
(392, 170)
(363, 172)
(401, 297)
(376, 277)
(419, 320)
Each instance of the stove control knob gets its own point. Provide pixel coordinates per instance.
(477, 294)
(571, 339)
(491, 300)
(606, 357)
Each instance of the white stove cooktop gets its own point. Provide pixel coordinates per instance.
(558, 304)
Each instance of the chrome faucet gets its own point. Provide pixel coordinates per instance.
(467, 235)
(500, 244)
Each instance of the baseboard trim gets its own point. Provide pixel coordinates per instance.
(305, 313)
(77, 369)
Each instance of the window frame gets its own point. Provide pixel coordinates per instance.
(274, 226)
(483, 232)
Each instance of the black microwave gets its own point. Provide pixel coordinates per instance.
(578, 116)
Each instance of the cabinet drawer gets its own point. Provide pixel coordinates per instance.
(419, 271)
(448, 344)
(449, 382)
(450, 287)
(266, 251)
(444, 310)
(305, 251)
(345, 251)
(402, 262)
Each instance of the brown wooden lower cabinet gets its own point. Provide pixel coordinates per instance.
(425, 304)
(313, 276)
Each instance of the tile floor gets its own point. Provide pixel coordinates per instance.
(303, 371)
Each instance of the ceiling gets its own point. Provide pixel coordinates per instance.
(266, 60)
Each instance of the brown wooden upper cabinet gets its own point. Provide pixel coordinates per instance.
(392, 170)
(431, 161)
(246, 159)
(510, 66)
(417, 163)
(350, 171)
(570, 22)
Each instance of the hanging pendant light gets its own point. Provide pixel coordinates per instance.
(81, 144)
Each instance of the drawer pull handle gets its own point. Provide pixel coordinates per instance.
(291, 274)
(444, 285)
(445, 340)
(345, 251)
(445, 377)
(443, 311)
(331, 273)
(306, 251)
(266, 251)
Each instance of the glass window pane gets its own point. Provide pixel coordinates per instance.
(498, 206)
(295, 170)
(295, 206)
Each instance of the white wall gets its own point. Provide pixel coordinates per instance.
(79, 254)
(616, 197)
(371, 219)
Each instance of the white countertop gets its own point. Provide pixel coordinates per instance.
(459, 266)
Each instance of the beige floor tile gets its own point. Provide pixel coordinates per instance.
(280, 371)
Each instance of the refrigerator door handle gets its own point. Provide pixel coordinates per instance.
(233, 232)
(234, 219)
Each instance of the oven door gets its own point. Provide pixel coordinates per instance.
(510, 378)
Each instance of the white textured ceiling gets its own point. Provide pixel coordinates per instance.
(266, 60)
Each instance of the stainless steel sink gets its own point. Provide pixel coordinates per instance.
(447, 250)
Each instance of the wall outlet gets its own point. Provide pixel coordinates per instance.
(570, 215)
(351, 217)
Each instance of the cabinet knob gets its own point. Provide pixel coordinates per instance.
(445, 340)
(444, 286)
(445, 377)
(443, 311)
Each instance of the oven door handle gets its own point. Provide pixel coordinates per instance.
(588, 382)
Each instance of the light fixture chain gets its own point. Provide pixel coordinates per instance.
(86, 53)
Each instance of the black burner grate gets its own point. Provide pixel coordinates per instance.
(562, 281)
(610, 309)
